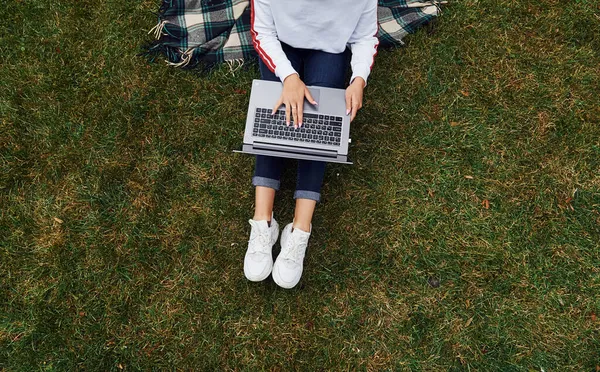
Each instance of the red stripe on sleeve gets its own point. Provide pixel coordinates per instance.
(261, 52)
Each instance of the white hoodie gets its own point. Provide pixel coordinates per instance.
(327, 25)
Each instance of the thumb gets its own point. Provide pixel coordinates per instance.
(348, 103)
(309, 96)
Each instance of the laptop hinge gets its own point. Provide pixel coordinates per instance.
(295, 149)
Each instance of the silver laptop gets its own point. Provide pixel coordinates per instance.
(324, 134)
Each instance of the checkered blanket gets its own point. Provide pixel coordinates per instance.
(190, 32)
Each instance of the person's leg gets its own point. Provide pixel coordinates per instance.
(258, 261)
(267, 174)
(288, 268)
(308, 192)
(268, 169)
(325, 70)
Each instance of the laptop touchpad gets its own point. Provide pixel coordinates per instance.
(316, 94)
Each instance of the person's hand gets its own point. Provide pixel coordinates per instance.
(292, 97)
(354, 96)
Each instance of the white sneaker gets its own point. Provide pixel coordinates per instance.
(288, 267)
(258, 261)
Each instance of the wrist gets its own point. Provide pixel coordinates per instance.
(291, 78)
(360, 81)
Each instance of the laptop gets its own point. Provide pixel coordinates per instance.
(325, 131)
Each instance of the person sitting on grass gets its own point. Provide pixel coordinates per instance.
(300, 43)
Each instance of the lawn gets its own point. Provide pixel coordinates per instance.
(466, 236)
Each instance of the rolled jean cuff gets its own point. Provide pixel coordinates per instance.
(265, 182)
(304, 194)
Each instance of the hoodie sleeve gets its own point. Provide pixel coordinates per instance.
(265, 41)
(363, 43)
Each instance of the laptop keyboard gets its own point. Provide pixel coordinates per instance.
(316, 128)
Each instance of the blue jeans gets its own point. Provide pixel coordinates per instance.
(316, 68)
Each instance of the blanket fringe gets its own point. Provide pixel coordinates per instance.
(426, 4)
(186, 58)
(234, 65)
(158, 29)
(437, 3)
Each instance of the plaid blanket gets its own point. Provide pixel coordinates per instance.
(190, 32)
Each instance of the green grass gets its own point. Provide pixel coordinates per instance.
(123, 210)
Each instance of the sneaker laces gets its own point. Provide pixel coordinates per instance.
(293, 248)
(261, 240)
